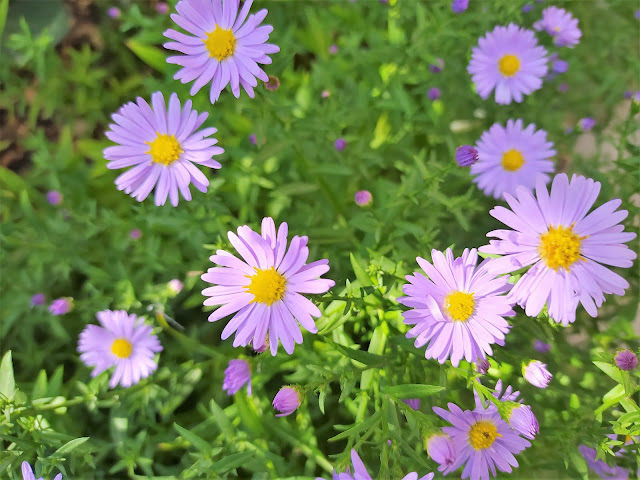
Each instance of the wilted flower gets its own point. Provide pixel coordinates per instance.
(433, 93)
(561, 25)
(161, 145)
(363, 198)
(441, 449)
(340, 144)
(122, 341)
(27, 473)
(466, 155)
(536, 373)
(286, 401)
(587, 124)
(626, 360)
(236, 375)
(457, 308)
(273, 83)
(60, 306)
(54, 197)
(509, 60)
(135, 234)
(522, 420)
(540, 346)
(38, 299)
(222, 49)
(263, 290)
(459, 6)
(512, 156)
(113, 12)
(565, 245)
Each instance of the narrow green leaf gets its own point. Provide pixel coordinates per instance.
(357, 355)
(7, 382)
(199, 443)
(221, 418)
(610, 370)
(40, 386)
(69, 446)
(233, 461)
(152, 56)
(359, 427)
(412, 390)
(4, 8)
(361, 275)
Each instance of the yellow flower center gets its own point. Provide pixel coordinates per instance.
(482, 434)
(164, 149)
(220, 43)
(459, 306)
(121, 348)
(267, 286)
(509, 65)
(560, 247)
(512, 160)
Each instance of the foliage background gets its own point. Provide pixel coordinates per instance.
(70, 66)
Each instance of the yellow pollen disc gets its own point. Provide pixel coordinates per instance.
(220, 43)
(482, 434)
(560, 247)
(164, 149)
(509, 65)
(459, 306)
(512, 160)
(121, 348)
(267, 286)
(557, 29)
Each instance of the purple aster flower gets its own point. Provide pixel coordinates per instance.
(414, 476)
(600, 467)
(124, 342)
(253, 139)
(273, 83)
(360, 471)
(511, 156)
(627, 94)
(527, 8)
(162, 146)
(135, 234)
(60, 306)
(433, 93)
(563, 87)
(113, 12)
(483, 366)
(340, 144)
(38, 299)
(437, 67)
(638, 14)
(560, 66)
(286, 401)
(264, 287)
(458, 310)
(333, 49)
(566, 247)
(412, 402)
(626, 360)
(459, 6)
(586, 124)
(325, 94)
(363, 198)
(510, 60)
(236, 375)
(483, 441)
(561, 25)
(536, 373)
(27, 473)
(224, 49)
(523, 421)
(162, 8)
(441, 449)
(466, 155)
(175, 286)
(54, 197)
(540, 346)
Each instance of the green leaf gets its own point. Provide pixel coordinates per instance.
(412, 390)
(7, 381)
(610, 370)
(69, 446)
(40, 386)
(359, 427)
(152, 56)
(361, 275)
(233, 461)
(377, 345)
(358, 355)
(199, 443)
(4, 8)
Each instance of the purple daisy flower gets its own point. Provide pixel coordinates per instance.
(113, 12)
(510, 60)
(536, 373)
(363, 198)
(135, 234)
(162, 146)
(459, 6)
(340, 144)
(483, 441)
(360, 472)
(466, 155)
(433, 93)
(264, 288)
(587, 123)
(566, 247)
(511, 156)
(458, 309)
(523, 421)
(224, 49)
(561, 25)
(27, 473)
(441, 449)
(54, 197)
(236, 375)
(124, 342)
(626, 360)
(560, 66)
(600, 467)
(286, 401)
(540, 346)
(60, 306)
(38, 299)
